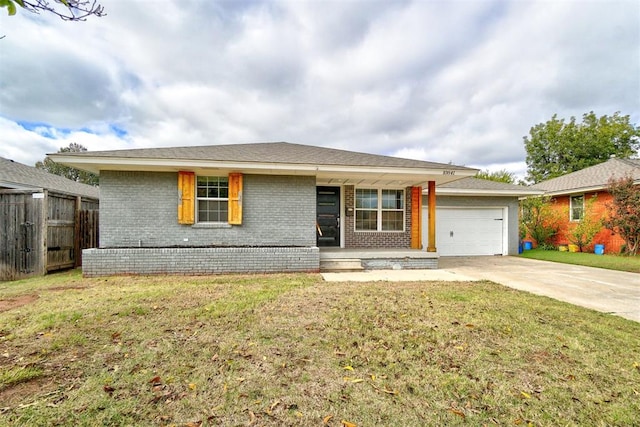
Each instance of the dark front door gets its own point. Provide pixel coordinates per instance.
(328, 216)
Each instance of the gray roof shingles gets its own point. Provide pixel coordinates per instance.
(270, 152)
(593, 177)
(471, 183)
(29, 176)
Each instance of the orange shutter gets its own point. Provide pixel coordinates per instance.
(186, 199)
(416, 217)
(235, 198)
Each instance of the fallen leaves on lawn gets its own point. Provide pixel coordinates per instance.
(326, 419)
(348, 424)
(457, 412)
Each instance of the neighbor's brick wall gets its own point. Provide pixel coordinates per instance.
(375, 239)
(198, 261)
(612, 242)
(139, 209)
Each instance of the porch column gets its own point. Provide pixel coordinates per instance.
(432, 216)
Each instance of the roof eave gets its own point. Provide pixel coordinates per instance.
(96, 164)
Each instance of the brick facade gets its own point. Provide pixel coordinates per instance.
(612, 242)
(139, 209)
(375, 239)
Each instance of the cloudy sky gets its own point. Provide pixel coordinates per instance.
(445, 81)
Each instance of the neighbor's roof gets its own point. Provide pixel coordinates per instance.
(266, 158)
(14, 175)
(592, 178)
(483, 187)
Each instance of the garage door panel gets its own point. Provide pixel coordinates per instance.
(468, 232)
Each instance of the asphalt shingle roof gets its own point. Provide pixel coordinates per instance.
(471, 183)
(471, 186)
(269, 152)
(593, 177)
(18, 175)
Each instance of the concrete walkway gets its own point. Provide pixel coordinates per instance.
(607, 291)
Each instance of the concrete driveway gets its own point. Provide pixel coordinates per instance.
(608, 291)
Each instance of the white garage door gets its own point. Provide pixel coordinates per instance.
(467, 231)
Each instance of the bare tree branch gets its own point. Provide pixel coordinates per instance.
(67, 10)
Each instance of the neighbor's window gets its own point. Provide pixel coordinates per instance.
(213, 198)
(379, 210)
(577, 207)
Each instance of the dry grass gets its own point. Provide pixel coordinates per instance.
(293, 350)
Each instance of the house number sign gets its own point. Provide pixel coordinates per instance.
(448, 172)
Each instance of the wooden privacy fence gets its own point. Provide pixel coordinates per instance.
(86, 232)
(42, 231)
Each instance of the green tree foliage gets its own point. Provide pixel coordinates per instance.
(68, 10)
(499, 176)
(539, 220)
(557, 147)
(582, 233)
(624, 212)
(66, 171)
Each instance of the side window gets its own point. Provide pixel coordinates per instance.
(576, 207)
(212, 198)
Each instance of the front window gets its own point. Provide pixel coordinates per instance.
(213, 198)
(577, 207)
(379, 210)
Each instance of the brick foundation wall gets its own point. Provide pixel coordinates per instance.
(375, 239)
(198, 261)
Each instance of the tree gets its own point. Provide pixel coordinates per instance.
(499, 176)
(539, 219)
(67, 10)
(66, 171)
(624, 212)
(557, 147)
(582, 233)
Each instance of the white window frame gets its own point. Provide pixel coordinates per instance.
(579, 209)
(379, 210)
(214, 199)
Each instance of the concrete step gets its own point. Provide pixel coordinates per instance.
(341, 264)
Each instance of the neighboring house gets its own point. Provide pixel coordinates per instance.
(255, 207)
(40, 228)
(570, 192)
(479, 217)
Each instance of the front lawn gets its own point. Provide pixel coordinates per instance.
(611, 262)
(292, 350)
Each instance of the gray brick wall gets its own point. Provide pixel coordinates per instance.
(139, 209)
(198, 261)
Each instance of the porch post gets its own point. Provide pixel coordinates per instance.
(432, 216)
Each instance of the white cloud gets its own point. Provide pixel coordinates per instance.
(444, 81)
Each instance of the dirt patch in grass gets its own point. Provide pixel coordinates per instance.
(27, 393)
(18, 301)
